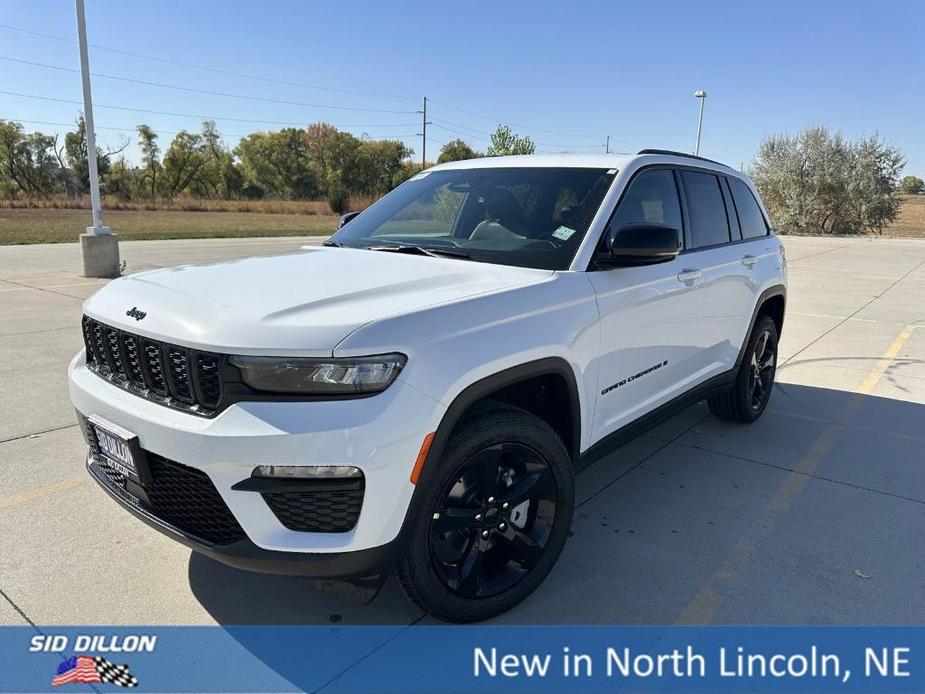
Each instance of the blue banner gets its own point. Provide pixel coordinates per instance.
(462, 659)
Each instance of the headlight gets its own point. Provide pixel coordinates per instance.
(311, 376)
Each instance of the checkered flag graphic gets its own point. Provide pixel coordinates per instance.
(114, 674)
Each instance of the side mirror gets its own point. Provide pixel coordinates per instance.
(346, 218)
(642, 244)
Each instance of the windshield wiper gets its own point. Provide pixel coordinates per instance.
(422, 250)
(334, 244)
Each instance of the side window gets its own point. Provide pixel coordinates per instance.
(750, 218)
(652, 198)
(706, 209)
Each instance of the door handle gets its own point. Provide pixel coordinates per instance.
(749, 260)
(689, 275)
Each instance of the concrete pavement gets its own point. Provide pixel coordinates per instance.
(814, 514)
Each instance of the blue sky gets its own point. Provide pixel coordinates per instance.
(565, 73)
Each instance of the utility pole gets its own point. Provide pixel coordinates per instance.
(423, 134)
(607, 146)
(702, 95)
(99, 247)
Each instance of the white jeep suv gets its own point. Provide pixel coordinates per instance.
(415, 396)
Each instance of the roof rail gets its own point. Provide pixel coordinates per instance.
(678, 154)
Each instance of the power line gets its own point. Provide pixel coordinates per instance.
(198, 116)
(159, 132)
(438, 124)
(507, 122)
(208, 92)
(219, 71)
(278, 81)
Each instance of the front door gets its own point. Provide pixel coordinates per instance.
(650, 315)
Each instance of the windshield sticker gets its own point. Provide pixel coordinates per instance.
(563, 233)
(611, 171)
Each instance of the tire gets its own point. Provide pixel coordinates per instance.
(741, 402)
(474, 555)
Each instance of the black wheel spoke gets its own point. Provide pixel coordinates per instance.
(469, 581)
(453, 519)
(534, 484)
(487, 471)
(524, 551)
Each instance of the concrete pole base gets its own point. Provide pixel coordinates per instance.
(99, 249)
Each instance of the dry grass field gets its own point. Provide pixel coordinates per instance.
(19, 226)
(911, 222)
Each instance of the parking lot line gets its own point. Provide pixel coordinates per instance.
(39, 493)
(703, 607)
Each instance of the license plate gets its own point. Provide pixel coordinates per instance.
(113, 443)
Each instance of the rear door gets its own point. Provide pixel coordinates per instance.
(715, 252)
(650, 315)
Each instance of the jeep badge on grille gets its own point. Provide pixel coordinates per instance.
(135, 313)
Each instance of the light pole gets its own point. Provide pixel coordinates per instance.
(99, 247)
(702, 95)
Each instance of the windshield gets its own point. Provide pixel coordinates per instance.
(530, 217)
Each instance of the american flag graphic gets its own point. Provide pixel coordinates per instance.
(86, 669)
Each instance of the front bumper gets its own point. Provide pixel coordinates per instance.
(244, 554)
(380, 435)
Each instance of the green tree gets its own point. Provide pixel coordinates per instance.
(817, 181)
(219, 176)
(121, 180)
(78, 168)
(456, 150)
(911, 185)
(277, 164)
(27, 161)
(183, 161)
(150, 158)
(377, 164)
(333, 156)
(504, 141)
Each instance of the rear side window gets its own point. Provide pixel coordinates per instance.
(706, 209)
(750, 218)
(652, 198)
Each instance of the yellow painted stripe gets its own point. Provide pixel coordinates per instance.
(39, 493)
(870, 382)
(709, 598)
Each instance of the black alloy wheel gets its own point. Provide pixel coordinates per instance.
(496, 510)
(763, 362)
(493, 521)
(746, 399)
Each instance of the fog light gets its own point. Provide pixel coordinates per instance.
(307, 471)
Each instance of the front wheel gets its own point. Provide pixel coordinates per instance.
(746, 399)
(498, 507)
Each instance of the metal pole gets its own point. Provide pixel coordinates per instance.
(607, 146)
(424, 136)
(88, 121)
(702, 95)
(99, 247)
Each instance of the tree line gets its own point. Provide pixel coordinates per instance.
(312, 163)
(815, 181)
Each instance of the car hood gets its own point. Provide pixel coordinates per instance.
(301, 303)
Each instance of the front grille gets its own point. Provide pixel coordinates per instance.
(182, 378)
(321, 511)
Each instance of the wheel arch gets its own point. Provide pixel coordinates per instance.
(772, 302)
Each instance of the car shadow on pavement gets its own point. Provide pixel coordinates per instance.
(810, 515)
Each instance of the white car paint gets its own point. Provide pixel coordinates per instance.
(456, 321)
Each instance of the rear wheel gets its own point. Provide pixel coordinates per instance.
(498, 511)
(746, 400)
